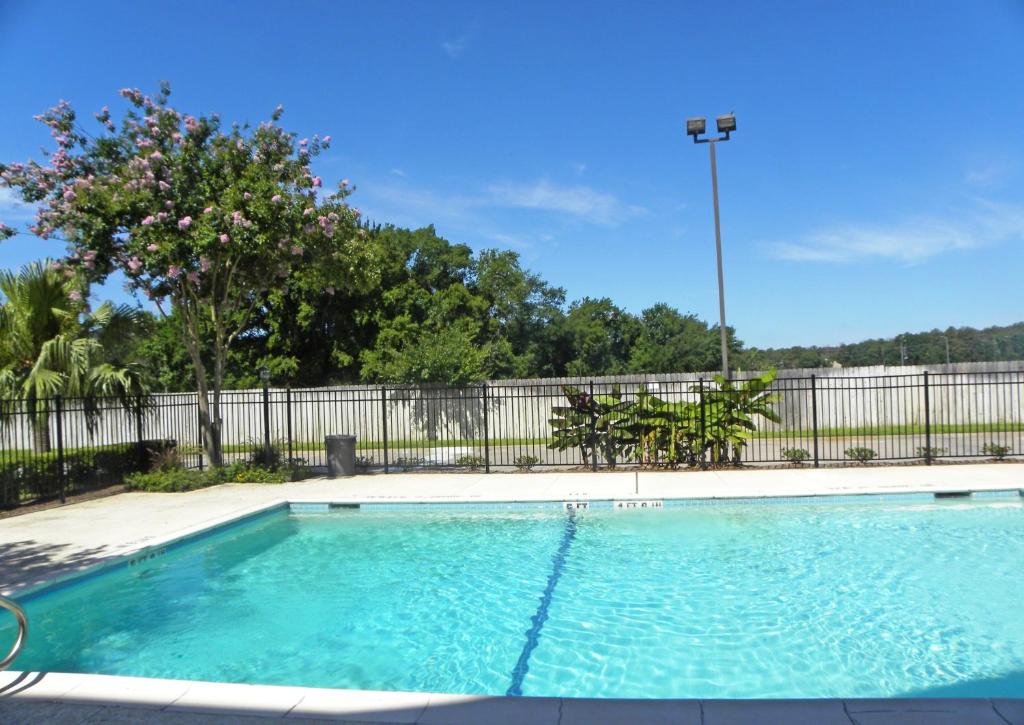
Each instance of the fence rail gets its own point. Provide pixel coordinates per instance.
(53, 447)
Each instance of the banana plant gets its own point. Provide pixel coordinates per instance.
(596, 424)
(572, 425)
(729, 414)
(667, 433)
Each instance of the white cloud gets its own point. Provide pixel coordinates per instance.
(399, 172)
(990, 172)
(455, 48)
(579, 201)
(518, 242)
(408, 206)
(574, 202)
(983, 176)
(13, 209)
(908, 240)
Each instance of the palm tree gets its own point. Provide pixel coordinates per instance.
(50, 344)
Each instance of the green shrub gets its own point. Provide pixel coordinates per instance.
(796, 456)
(933, 452)
(266, 456)
(525, 463)
(861, 454)
(473, 462)
(995, 450)
(175, 480)
(244, 473)
(167, 459)
(171, 480)
(31, 476)
(410, 461)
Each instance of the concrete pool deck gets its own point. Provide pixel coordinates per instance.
(54, 544)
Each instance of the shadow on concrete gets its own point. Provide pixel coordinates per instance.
(26, 563)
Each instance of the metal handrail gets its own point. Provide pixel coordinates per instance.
(19, 614)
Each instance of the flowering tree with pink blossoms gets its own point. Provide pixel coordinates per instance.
(202, 220)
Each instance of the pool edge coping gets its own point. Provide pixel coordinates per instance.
(295, 703)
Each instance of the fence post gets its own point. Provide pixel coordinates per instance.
(138, 435)
(288, 419)
(593, 432)
(199, 421)
(61, 475)
(814, 415)
(266, 418)
(384, 422)
(927, 424)
(487, 440)
(703, 431)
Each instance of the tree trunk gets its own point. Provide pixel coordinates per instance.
(210, 432)
(219, 356)
(41, 436)
(208, 420)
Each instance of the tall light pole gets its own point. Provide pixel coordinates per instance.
(946, 338)
(695, 127)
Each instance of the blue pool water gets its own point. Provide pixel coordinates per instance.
(741, 601)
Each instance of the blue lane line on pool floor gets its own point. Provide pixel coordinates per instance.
(541, 616)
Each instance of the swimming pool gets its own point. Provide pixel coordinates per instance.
(734, 601)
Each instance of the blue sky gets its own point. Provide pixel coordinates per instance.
(873, 185)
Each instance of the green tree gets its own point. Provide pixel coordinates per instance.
(429, 323)
(598, 337)
(51, 344)
(166, 361)
(670, 342)
(523, 313)
(203, 221)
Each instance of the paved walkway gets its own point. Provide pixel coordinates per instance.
(55, 543)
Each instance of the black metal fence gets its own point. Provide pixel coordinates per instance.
(68, 445)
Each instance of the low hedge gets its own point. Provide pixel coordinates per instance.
(33, 476)
(180, 479)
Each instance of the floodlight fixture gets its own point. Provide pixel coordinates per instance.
(726, 123)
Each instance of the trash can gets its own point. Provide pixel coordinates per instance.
(341, 456)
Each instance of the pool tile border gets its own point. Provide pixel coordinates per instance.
(324, 507)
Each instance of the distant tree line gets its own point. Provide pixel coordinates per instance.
(961, 344)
